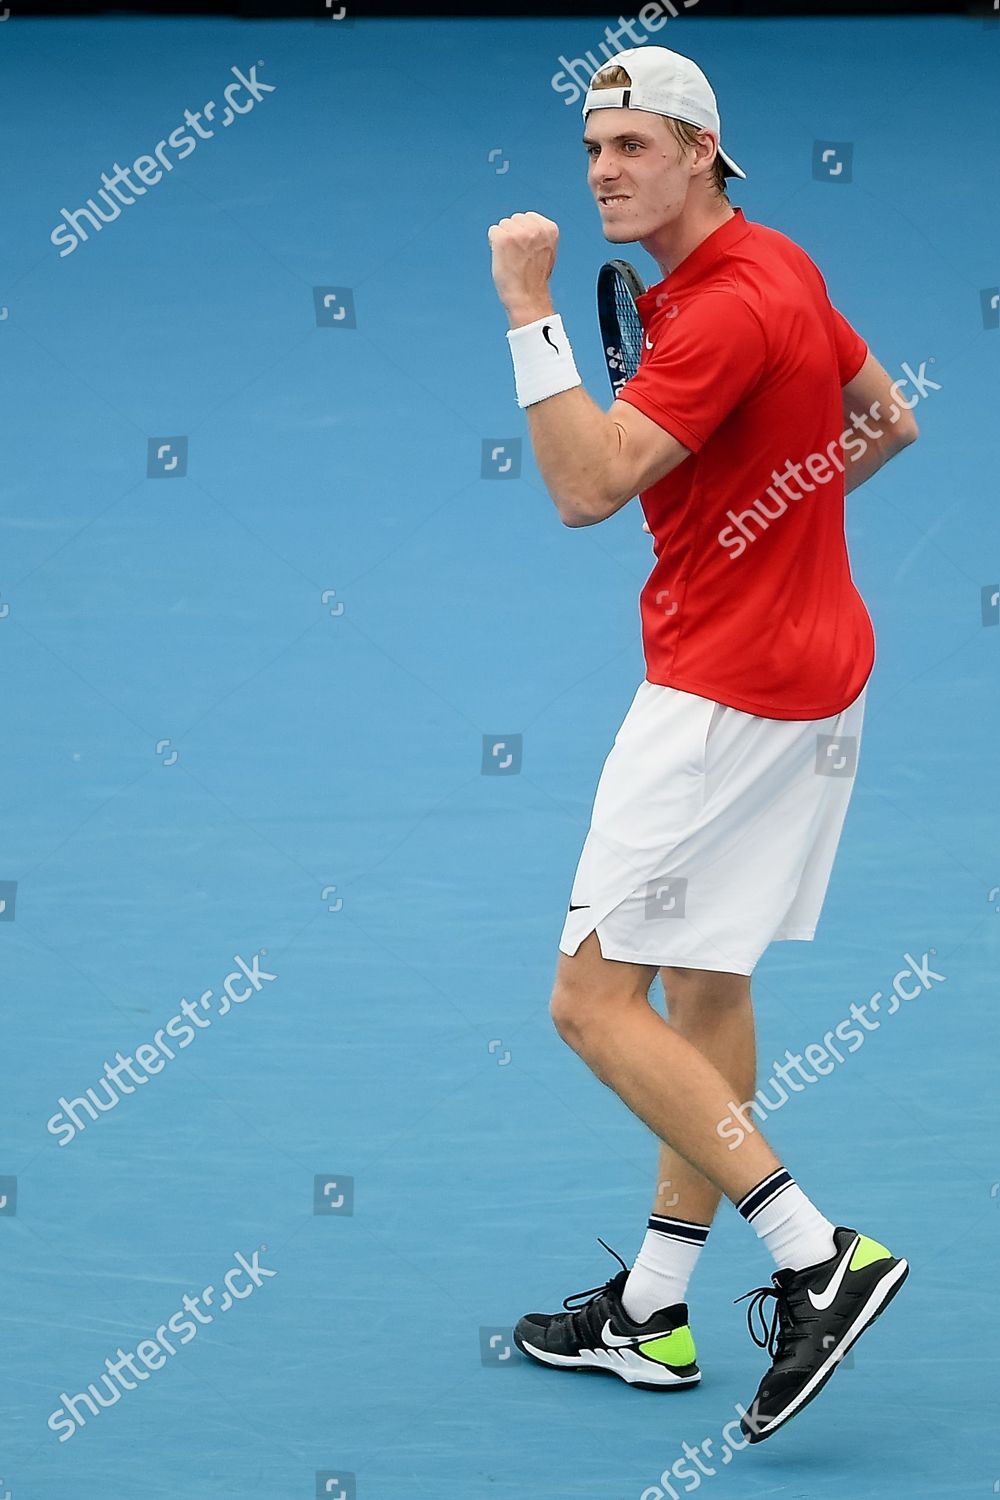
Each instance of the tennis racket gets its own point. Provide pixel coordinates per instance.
(618, 285)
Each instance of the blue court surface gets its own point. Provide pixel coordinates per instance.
(269, 597)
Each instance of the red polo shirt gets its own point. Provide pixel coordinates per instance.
(751, 601)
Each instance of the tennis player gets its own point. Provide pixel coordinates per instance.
(755, 408)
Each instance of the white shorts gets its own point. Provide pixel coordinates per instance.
(713, 832)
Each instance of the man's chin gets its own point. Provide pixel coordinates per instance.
(620, 234)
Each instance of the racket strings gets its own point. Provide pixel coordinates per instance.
(631, 327)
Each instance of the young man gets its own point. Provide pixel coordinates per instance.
(720, 806)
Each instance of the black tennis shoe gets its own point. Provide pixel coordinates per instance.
(596, 1333)
(818, 1314)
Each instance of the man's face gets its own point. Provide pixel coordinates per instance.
(637, 171)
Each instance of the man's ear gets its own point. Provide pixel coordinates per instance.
(708, 149)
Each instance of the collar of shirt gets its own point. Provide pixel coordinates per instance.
(694, 265)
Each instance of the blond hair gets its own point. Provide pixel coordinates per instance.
(616, 77)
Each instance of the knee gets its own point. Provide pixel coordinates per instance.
(570, 1014)
(584, 1016)
(591, 996)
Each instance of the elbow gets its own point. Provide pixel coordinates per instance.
(582, 510)
(906, 432)
(597, 503)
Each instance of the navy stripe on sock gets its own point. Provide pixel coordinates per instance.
(679, 1229)
(760, 1196)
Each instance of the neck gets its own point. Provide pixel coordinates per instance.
(673, 242)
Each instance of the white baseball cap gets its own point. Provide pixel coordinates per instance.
(665, 83)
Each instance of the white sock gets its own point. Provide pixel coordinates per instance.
(663, 1267)
(791, 1226)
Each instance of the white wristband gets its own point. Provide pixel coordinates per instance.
(543, 360)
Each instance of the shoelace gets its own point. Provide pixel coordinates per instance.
(581, 1299)
(772, 1334)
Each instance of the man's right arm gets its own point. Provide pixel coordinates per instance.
(878, 423)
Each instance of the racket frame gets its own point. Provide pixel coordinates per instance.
(607, 315)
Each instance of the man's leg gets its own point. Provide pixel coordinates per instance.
(832, 1282)
(713, 1011)
(601, 1009)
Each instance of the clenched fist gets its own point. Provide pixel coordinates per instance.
(524, 253)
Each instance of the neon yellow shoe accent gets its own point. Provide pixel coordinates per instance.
(867, 1252)
(675, 1348)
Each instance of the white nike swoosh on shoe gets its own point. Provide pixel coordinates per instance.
(613, 1340)
(822, 1300)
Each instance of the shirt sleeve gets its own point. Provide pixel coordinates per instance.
(852, 351)
(703, 363)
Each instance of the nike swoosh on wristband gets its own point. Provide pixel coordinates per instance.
(546, 330)
(584, 907)
(614, 1342)
(823, 1300)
